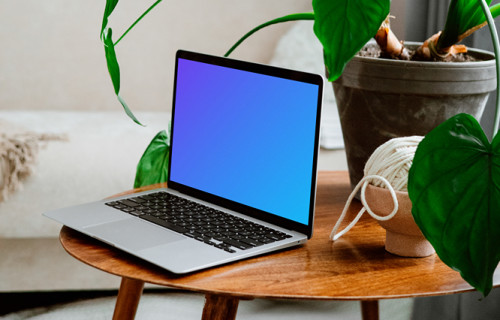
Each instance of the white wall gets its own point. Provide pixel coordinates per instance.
(51, 56)
(398, 10)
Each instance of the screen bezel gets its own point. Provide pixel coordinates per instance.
(229, 204)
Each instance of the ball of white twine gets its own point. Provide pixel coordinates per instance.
(387, 167)
(393, 160)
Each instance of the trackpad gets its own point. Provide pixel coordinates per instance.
(133, 234)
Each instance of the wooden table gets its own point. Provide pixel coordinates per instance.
(356, 267)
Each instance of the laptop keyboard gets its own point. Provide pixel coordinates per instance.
(211, 226)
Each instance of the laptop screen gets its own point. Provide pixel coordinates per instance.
(246, 133)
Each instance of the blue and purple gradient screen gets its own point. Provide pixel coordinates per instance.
(246, 137)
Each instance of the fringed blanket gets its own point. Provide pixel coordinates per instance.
(18, 155)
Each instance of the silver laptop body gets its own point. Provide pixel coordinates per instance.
(244, 147)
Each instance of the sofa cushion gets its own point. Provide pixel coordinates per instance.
(97, 159)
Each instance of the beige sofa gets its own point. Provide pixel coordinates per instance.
(54, 81)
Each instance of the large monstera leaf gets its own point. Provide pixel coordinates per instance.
(345, 26)
(454, 186)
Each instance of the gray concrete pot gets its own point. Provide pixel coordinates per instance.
(380, 99)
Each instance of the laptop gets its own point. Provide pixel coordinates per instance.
(242, 170)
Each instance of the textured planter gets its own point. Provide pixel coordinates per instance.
(402, 235)
(380, 99)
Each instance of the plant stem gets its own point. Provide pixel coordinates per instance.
(136, 21)
(496, 46)
(291, 17)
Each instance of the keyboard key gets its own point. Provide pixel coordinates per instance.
(129, 203)
(139, 200)
(252, 242)
(137, 213)
(275, 236)
(266, 240)
(237, 244)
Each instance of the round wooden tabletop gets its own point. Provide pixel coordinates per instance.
(356, 267)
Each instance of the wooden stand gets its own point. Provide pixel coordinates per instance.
(355, 267)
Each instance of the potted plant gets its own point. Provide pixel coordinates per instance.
(404, 94)
(344, 27)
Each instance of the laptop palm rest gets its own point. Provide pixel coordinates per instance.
(133, 234)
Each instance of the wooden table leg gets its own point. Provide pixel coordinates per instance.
(369, 310)
(128, 299)
(219, 307)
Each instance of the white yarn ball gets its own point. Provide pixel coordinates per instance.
(387, 167)
(392, 160)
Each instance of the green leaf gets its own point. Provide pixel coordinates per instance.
(111, 60)
(345, 26)
(127, 110)
(463, 16)
(454, 186)
(110, 53)
(114, 70)
(153, 166)
(110, 6)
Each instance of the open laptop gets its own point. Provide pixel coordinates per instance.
(242, 170)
